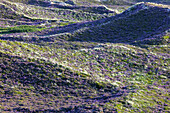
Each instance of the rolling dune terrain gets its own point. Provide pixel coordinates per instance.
(63, 56)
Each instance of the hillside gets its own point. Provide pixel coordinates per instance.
(18, 13)
(84, 59)
(87, 2)
(139, 23)
(122, 2)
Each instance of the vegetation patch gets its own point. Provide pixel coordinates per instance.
(19, 29)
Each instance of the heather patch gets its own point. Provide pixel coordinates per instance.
(122, 28)
(36, 12)
(124, 67)
(36, 79)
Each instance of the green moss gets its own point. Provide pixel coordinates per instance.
(166, 37)
(18, 29)
(18, 92)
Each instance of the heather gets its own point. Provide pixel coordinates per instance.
(54, 61)
(146, 22)
(34, 12)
